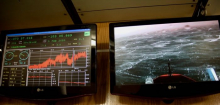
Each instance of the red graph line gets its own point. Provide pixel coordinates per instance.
(39, 76)
(79, 55)
(59, 59)
(71, 82)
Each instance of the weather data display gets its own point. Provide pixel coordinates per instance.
(52, 58)
(167, 53)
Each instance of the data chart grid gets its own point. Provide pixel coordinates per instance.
(72, 78)
(40, 79)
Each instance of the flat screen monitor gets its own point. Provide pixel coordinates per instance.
(49, 63)
(165, 58)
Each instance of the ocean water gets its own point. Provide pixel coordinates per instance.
(141, 58)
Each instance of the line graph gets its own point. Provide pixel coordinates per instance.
(72, 78)
(58, 58)
(40, 79)
(61, 59)
(72, 82)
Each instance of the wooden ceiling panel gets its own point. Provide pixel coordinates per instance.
(92, 5)
(144, 13)
(213, 7)
(18, 14)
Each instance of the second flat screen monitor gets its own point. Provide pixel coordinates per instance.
(185, 52)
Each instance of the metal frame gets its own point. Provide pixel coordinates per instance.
(200, 8)
(68, 4)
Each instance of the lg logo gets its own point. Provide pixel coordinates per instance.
(39, 90)
(171, 87)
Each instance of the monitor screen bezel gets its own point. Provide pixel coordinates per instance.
(55, 92)
(158, 90)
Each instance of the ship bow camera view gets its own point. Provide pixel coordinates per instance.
(167, 53)
(50, 58)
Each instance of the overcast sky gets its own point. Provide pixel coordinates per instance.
(135, 30)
